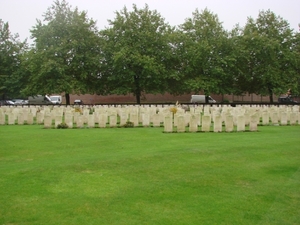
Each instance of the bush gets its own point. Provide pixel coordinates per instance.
(62, 126)
(128, 124)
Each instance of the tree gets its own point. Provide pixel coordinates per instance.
(11, 49)
(137, 52)
(295, 80)
(65, 58)
(206, 54)
(267, 55)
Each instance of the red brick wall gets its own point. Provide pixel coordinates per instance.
(166, 98)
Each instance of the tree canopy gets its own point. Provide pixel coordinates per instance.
(65, 58)
(206, 54)
(266, 54)
(136, 52)
(140, 53)
(11, 50)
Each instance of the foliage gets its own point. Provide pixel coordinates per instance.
(128, 124)
(136, 52)
(62, 126)
(266, 58)
(139, 53)
(65, 57)
(11, 49)
(206, 54)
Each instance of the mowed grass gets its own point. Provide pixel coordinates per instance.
(144, 176)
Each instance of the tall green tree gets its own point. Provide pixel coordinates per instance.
(11, 50)
(267, 55)
(295, 80)
(65, 58)
(206, 58)
(137, 53)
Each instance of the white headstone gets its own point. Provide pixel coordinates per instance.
(240, 123)
(79, 122)
(283, 118)
(2, 118)
(156, 120)
(253, 122)
(206, 122)
(193, 124)
(69, 120)
(180, 124)
(229, 123)
(103, 119)
(146, 119)
(134, 118)
(21, 119)
(29, 118)
(48, 121)
(113, 120)
(217, 123)
(168, 123)
(11, 118)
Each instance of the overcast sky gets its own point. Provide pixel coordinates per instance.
(22, 14)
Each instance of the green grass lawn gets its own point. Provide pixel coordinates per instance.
(144, 176)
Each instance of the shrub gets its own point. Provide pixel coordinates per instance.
(128, 124)
(62, 126)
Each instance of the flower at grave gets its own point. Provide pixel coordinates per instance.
(173, 109)
(77, 109)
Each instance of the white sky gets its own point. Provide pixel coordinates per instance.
(22, 14)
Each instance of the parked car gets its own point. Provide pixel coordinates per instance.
(19, 101)
(6, 102)
(286, 99)
(78, 102)
(39, 100)
(56, 99)
(201, 99)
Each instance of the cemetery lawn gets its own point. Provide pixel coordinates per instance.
(144, 176)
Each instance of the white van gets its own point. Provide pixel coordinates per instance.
(201, 99)
(39, 100)
(56, 99)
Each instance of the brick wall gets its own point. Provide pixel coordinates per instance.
(166, 98)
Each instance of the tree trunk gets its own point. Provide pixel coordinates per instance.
(67, 98)
(137, 89)
(271, 95)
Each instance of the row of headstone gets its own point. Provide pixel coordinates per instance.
(204, 118)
